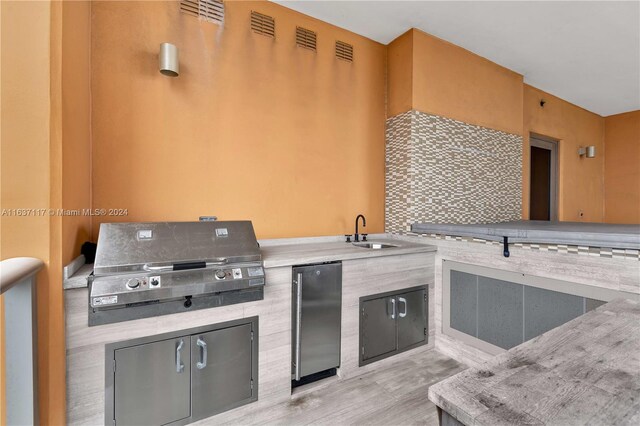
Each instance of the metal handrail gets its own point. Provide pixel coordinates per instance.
(18, 289)
(17, 269)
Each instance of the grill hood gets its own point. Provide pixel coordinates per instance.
(155, 246)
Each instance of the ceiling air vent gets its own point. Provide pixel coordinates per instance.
(344, 51)
(263, 24)
(208, 10)
(305, 38)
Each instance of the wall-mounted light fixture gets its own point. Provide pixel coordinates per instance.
(168, 60)
(589, 152)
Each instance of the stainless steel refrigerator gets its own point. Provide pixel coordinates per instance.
(316, 316)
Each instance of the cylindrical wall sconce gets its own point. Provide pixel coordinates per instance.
(589, 152)
(168, 60)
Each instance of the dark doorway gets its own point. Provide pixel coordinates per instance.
(542, 196)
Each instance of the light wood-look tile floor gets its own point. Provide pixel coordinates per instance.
(394, 395)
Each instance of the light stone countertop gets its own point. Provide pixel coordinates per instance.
(79, 278)
(302, 251)
(586, 371)
(306, 252)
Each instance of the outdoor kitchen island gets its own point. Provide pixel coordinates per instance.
(365, 272)
(586, 371)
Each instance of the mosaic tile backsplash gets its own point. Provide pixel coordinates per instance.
(441, 170)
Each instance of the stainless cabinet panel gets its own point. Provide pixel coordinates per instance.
(320, 317)
(500, 312)
(149, 389)
(412, 318)
(591, 304)
(220, 370)
(547, 309)
(378, 327)
(464, 302)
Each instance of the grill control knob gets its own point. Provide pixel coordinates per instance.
(133, 283)
(220, 274)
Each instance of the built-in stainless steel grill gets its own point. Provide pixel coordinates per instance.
(148, 269)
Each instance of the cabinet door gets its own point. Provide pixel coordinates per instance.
(412, 318)
(152, 383)
(378, 319)
(500, 312)
(221, 370)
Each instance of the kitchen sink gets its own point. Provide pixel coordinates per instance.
(374, 246)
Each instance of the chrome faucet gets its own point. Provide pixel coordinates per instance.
(356, 237)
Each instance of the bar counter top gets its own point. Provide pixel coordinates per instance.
(586, 371)
(536, 231)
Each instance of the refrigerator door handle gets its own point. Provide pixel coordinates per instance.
(298, 322)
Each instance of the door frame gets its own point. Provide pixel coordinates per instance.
(545, 142)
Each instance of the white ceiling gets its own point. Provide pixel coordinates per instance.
(587, 53)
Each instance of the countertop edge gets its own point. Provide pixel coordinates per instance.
(493, 232)
(361, 254)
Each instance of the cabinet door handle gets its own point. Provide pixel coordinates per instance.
(179, 364)
(298, 323)
(393, 308)
(203, 354)
(403, 300)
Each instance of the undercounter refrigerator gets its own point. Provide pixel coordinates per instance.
(316, 316)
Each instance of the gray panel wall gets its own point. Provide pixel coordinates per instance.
(546, 309)
(464, 302)
(506, 314)
(499, 312)
(591, 304)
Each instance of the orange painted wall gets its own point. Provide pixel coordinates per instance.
(30, 159)
(45, 162)
(400, 74)
(622, 168)
(452, 82)
(76, 125)
(581, 180)
(434, 76)
(253, 128)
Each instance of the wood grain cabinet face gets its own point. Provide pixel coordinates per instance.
(392, 322)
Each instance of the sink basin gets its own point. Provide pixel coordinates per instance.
(374, 245)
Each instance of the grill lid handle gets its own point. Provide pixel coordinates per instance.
(185, 265)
